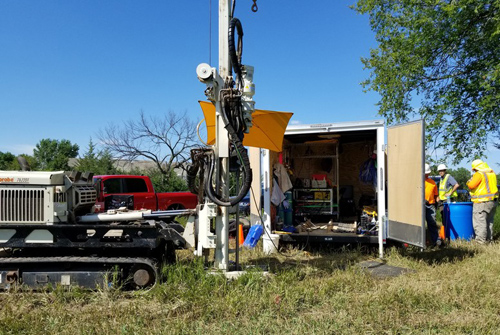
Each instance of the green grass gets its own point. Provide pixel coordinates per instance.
(451, 291)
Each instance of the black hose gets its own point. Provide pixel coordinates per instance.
(247, 172)
(235, 54)
(245, 162)
(192, 171)
(233, 122)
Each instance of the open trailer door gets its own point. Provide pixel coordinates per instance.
(405, 183)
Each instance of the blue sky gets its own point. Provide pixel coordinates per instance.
(68, 68)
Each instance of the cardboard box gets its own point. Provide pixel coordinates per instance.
(321, 195)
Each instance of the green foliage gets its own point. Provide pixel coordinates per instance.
(7, 160)
(496, 224)
(53, 155)
(461, 175)
(32, 162)
(443, 56)
(96, 161)
(172, 183)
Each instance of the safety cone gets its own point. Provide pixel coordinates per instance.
(442, 234)
(241, 238)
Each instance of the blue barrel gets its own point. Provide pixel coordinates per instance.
(253, 236)
(458, 220)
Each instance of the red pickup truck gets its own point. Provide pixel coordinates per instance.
(138, 192)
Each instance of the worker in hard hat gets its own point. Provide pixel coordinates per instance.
(447, 185)
(431, 195)
(484, 195)
(447, 189)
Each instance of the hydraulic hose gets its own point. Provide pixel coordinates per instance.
(247, 172)
(235, 54)
(233, 122)
(243, 158)
(198, 157)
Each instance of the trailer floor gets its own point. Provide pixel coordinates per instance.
(323, 236)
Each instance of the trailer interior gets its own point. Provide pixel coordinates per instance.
(334, 196)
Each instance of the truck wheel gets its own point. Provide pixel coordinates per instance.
(175, 207)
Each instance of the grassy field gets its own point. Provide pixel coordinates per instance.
(450, 291)
(454, 290)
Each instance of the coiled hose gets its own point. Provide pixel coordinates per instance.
(204, 160)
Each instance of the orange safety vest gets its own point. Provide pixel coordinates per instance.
(487, 189)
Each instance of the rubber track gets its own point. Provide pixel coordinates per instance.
(89, 260)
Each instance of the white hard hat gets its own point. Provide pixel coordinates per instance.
(477, 163)
(427, 168)
(442, 167)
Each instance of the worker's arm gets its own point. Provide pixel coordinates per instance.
(474, 181)
(455, 187)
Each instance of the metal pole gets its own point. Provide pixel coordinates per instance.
(266, 169)
(237, 224)
(222, 142)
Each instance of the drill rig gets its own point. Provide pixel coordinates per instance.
(209, 174)
(50, 235)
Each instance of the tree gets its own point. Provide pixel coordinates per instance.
(166, 141)
(461, 175)
(444, 57)
(99, 162)
(32, 163)
(7, 160)
(53, 155)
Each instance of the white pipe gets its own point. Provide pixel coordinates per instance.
(113, 216)
(266, 170)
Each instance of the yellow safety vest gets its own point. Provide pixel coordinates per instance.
(443, 190)
(487, 189)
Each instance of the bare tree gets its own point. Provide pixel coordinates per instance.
(166, 140)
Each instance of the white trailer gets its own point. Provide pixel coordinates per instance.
(338, 151)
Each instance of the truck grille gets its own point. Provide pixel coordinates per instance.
(21, 206)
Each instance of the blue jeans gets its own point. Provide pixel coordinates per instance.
(430, 217)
